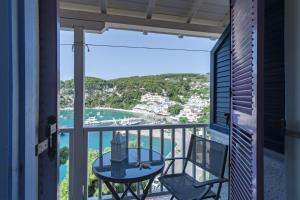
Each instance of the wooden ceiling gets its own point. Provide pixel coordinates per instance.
(203, 18)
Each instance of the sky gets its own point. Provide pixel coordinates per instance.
(109, 63)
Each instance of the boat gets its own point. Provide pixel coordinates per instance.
(91, 120)
(129, 121)
(122, 132)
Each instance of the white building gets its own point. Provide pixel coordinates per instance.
(154, 103)
(193, 108)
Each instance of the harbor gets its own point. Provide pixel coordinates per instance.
(122, 122)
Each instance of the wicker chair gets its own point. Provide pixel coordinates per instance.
(206, 154)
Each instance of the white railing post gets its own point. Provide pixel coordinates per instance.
(79, 153)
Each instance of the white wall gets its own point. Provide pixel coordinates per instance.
(292, 76)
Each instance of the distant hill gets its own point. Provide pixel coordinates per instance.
(125, 93)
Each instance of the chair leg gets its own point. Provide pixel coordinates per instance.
(172, 198)
(219, 191)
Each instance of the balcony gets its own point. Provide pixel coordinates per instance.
(25, 110)
(171, 140)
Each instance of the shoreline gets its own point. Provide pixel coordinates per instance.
(154, 117)
(107, 108)
(150, 117)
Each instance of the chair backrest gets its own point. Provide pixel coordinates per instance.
(209, 155)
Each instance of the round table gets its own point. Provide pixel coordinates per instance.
(130, 170)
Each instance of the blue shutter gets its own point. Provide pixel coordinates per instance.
(247, 97)
(220, 84)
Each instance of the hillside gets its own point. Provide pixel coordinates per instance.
(126, 93)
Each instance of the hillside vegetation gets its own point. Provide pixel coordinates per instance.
(125, 93)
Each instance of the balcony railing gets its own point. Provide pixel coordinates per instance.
(171, 140)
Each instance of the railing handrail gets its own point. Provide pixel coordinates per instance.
(138, 127)
(66, 130)
(179, 142)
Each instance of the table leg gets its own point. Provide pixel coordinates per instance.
(128, 186)
(131, 191)
(112, 190)
(146, 189)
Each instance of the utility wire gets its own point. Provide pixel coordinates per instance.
(141, 47)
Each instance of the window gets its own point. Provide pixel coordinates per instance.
(220, 84)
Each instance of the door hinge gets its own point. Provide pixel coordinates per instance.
(83, 191)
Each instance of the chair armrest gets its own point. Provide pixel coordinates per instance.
(211, 182)
(172, 162)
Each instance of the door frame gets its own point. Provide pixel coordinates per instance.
(48, 163)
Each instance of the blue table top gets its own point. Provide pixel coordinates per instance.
(129, 171)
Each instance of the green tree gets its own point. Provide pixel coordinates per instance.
(175, 109)
(92, 179)
(63, 155)
(64, 186)
(183, 120)
(205, 117)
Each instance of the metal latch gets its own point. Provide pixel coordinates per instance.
(52, 131)
(41, 147)
(47, 143)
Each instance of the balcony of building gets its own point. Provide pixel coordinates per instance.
(253, 98)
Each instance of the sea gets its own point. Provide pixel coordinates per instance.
(66, 120)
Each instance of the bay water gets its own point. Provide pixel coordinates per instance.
(66, 120)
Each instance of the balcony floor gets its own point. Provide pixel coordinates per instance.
(165, 197)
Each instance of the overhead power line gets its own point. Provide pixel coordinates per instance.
(142, 47)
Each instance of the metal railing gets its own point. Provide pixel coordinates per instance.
(157, 137)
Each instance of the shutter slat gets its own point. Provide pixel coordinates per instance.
(241, 159)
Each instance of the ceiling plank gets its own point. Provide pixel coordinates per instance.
(159, 16)
(150, 8)
(103, 6)
(143, 24)
(226, 18)
(194, 9)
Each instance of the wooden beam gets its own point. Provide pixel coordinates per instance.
(103, 6)
(194, 9)
(150, 8)
(142, 24)
(115, 11)
(90, 26)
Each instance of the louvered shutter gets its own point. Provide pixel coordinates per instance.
(246, 152)
(220, 84)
